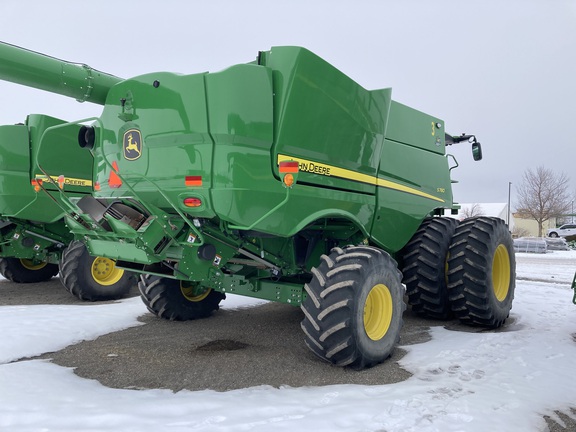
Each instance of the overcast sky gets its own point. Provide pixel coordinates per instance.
(503, 70)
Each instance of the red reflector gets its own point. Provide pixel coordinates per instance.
(288, 167)
(97, 186)
(192, 202)
(193, 181)
(114, 180)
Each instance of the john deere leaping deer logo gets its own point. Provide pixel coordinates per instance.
(132, 144)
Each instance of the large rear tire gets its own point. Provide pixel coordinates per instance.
(482, 272)
(93, 278)
(425, 268)
(353, 309)
(22, 270)
(176, 300)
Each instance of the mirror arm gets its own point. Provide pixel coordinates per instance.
(458, 139)
(476, 148)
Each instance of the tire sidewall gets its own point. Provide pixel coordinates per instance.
(501, 308)
(377, 273)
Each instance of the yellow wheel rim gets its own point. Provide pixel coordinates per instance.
(501, 272)
(105, 272)
(29, 264)
(192, 293)
(378, 312)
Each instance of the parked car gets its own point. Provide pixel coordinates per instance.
(530, 244)
(565, 230)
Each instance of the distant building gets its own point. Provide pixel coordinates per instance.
(529, 227)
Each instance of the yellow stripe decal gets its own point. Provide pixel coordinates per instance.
(332, 171)
(69, 181)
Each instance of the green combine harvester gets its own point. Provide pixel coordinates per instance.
(281, 179)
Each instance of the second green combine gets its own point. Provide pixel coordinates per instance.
(35, 243)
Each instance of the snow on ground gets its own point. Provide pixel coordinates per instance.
(470, 382)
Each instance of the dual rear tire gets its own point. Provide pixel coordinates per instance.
(425, 268)
(464, 270)
(482, 272)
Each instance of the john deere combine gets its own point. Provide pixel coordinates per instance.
(285, 180)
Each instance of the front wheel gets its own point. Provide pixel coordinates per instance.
(353, 309)
(22, 270)
(177, 300)
(93, 278)
(553, 235)
(482, 272)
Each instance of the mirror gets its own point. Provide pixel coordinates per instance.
(476, 151)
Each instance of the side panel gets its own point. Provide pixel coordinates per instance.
(171, 118)
(413, 176)
(54, 148)
(324, 116)
(14, 169)
(329, 124)
(18, 152)
(241, 124)
(415, 128)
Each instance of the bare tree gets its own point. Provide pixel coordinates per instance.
(518, 232)
(473, 210)
(542, 195)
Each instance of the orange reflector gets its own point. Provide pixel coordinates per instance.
(192, 202)
(288, 180)
(37, 183)
(288, 167)
(114, 180)
(61, 181)
(97, 186)
(193, 180)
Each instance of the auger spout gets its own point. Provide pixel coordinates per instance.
(75, 80)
